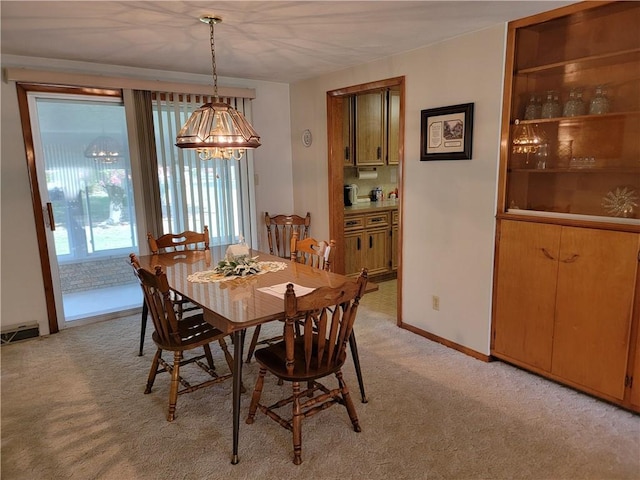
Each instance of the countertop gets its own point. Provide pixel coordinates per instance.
(372, 206)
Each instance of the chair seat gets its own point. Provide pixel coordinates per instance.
(273, 358)
(193, 332)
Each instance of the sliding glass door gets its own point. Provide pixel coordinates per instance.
(84, 178)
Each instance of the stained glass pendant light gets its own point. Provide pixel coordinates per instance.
(104, 149)
(526, 138)
(216, 129)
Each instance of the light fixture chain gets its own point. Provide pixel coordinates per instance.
(213, 61)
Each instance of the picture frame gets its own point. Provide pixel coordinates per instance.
(446, 133)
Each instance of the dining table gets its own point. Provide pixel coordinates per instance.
(236, 303)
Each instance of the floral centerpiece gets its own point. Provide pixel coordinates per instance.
(240, 266)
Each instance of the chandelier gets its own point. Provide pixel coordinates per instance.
(216, 129)
(104, 149)
(526, 138)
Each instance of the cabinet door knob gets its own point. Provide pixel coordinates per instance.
(571, 259)
(547, 254)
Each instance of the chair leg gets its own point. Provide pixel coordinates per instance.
(296, 424)
(351, 409)
(209, 357)
(255, 397)
(227, 355)
(143, 325)
(175, 381)
(154, 370)
(254, 342)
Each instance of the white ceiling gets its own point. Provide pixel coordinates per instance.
(281, 41)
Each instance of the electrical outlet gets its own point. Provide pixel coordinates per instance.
(435, 302)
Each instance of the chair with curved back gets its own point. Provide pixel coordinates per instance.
(177, 336)
(280, 229)
(168, 243)
(327, 315)
(310, 252)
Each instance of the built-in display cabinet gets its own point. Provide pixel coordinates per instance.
(568, 230)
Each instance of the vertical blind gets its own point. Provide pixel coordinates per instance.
(194, 193)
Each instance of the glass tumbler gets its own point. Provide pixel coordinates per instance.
(599, 103)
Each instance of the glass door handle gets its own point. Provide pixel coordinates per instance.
(49, 216)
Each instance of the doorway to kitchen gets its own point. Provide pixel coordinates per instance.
(337, 104)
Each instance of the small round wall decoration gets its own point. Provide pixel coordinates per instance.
(307, 139)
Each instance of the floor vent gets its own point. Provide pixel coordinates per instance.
(22, 332)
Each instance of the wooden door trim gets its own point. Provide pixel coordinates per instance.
(45, 261)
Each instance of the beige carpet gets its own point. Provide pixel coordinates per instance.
(73, 407)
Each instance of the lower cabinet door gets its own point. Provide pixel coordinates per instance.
(377, 251)
(594, 303)
(353, 252)
(525, 294)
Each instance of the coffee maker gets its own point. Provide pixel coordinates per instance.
(350, 194)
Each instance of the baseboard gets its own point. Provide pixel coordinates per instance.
(17, 333)
(446, 343)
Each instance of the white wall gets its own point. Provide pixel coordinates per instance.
(22, 289)
(448, 206)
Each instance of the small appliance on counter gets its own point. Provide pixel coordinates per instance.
(377, 195)
(350, 195)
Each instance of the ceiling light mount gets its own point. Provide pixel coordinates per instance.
(216, 129)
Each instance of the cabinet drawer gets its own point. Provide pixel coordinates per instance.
(377, 220)
(394, 217)
(353, 223)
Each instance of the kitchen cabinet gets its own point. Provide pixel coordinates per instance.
(368, 243)
(348, 131)
(395, 239)
(376, 128)
(564, 302)
(568, 228)
(393, 122)
(370, 125)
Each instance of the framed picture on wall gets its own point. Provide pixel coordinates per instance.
(446, 133)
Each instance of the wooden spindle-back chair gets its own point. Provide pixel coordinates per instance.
(177, 336)
(168, 243)
(328, 315)
(280, 229)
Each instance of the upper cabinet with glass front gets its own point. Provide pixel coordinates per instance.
(571, 118)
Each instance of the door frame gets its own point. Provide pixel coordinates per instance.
(23, 89)
(335, 101)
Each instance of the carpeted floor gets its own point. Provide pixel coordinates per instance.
(73, 407)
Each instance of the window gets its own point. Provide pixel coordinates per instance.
(193, 192)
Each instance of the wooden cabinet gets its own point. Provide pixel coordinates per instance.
(368, 243)
(587, 161)
(376, 128)
(395, 239)
(348, 131)
(564, 301)
(393, 125)
(370, 128)
(568, 240)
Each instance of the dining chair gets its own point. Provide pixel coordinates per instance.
(280, 229)
(328, 315)
(167, 243)
(310, 252)
(177, 336)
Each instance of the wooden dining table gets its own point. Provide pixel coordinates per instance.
(234, 305)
